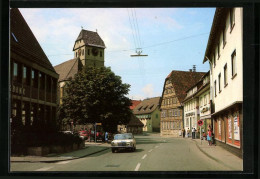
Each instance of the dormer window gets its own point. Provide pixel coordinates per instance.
(151, 107)
(139, 109)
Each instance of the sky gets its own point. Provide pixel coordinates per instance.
(173, 39)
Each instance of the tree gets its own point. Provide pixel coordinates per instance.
(96, 95)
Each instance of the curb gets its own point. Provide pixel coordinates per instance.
(213, 158)
(54, 161)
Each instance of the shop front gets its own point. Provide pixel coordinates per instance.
(228, 126)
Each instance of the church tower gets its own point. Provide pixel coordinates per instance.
(89, 48)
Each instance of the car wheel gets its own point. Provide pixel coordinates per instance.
(113, 150)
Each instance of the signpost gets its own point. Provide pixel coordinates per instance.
(200, 123)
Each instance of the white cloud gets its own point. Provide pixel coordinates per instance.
(148, 90)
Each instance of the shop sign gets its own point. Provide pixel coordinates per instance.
(236, 128)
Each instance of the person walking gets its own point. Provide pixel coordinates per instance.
(188, 132)
(209, 137)
(183, 132)
(193, 133)
(106, 137)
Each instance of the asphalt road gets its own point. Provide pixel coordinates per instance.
(153, 153)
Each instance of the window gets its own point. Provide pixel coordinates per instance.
(215, 88)
(205, 100)
(76, 54)
(219, 83)
(218, 50)
(232, 19)
(224, 36)
(214, 61)
(233, 63)
(14, 37)
(225, 75)
(82, 52)
(15, 71)
(100, 53)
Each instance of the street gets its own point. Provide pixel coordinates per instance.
(153, 153)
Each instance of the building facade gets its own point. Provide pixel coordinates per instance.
(225, 55)
(33, 78)
(197, 106)
(148, 113)
(171, 106)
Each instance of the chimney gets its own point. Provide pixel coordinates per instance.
(194, 68)
(190, 70)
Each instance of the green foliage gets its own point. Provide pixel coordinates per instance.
(96, 95)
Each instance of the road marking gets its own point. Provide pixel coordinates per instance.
(43, 169)
(144, 156)
(63, 162)
(156, 146)
(137, 166)
(150, 150)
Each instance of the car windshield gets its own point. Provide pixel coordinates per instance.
(123, 136)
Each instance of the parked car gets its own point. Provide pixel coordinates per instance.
(123, 141)
(83, 134)
(67, 132)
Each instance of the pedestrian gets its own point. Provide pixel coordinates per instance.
(209, 136)
(183, 132)
(193, 133)
(106, 137)
(188, 132)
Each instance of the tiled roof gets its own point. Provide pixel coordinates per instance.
(147, 106)
(68, 69)
(182, 81)
(134, 104)
(23, 41)
(135, 122)
(91, 38)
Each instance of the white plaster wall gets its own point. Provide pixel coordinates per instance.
(234, 90)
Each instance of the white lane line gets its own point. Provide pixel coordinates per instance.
(144, 156)
(156, 146)
(43, 169)
(150, 150)
(63, 162)
(137, 166)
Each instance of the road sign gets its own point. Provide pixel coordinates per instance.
(98, 124)
(200, 122)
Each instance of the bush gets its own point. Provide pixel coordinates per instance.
(23, 138)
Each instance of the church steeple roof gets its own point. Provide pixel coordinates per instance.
(91, 38)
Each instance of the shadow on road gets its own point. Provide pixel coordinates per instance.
(128, 151)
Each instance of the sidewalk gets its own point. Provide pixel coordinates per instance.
(89, 149)
(220, 155)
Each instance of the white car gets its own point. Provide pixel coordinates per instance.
(123, 141)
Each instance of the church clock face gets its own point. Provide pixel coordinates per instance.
(95, 51)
